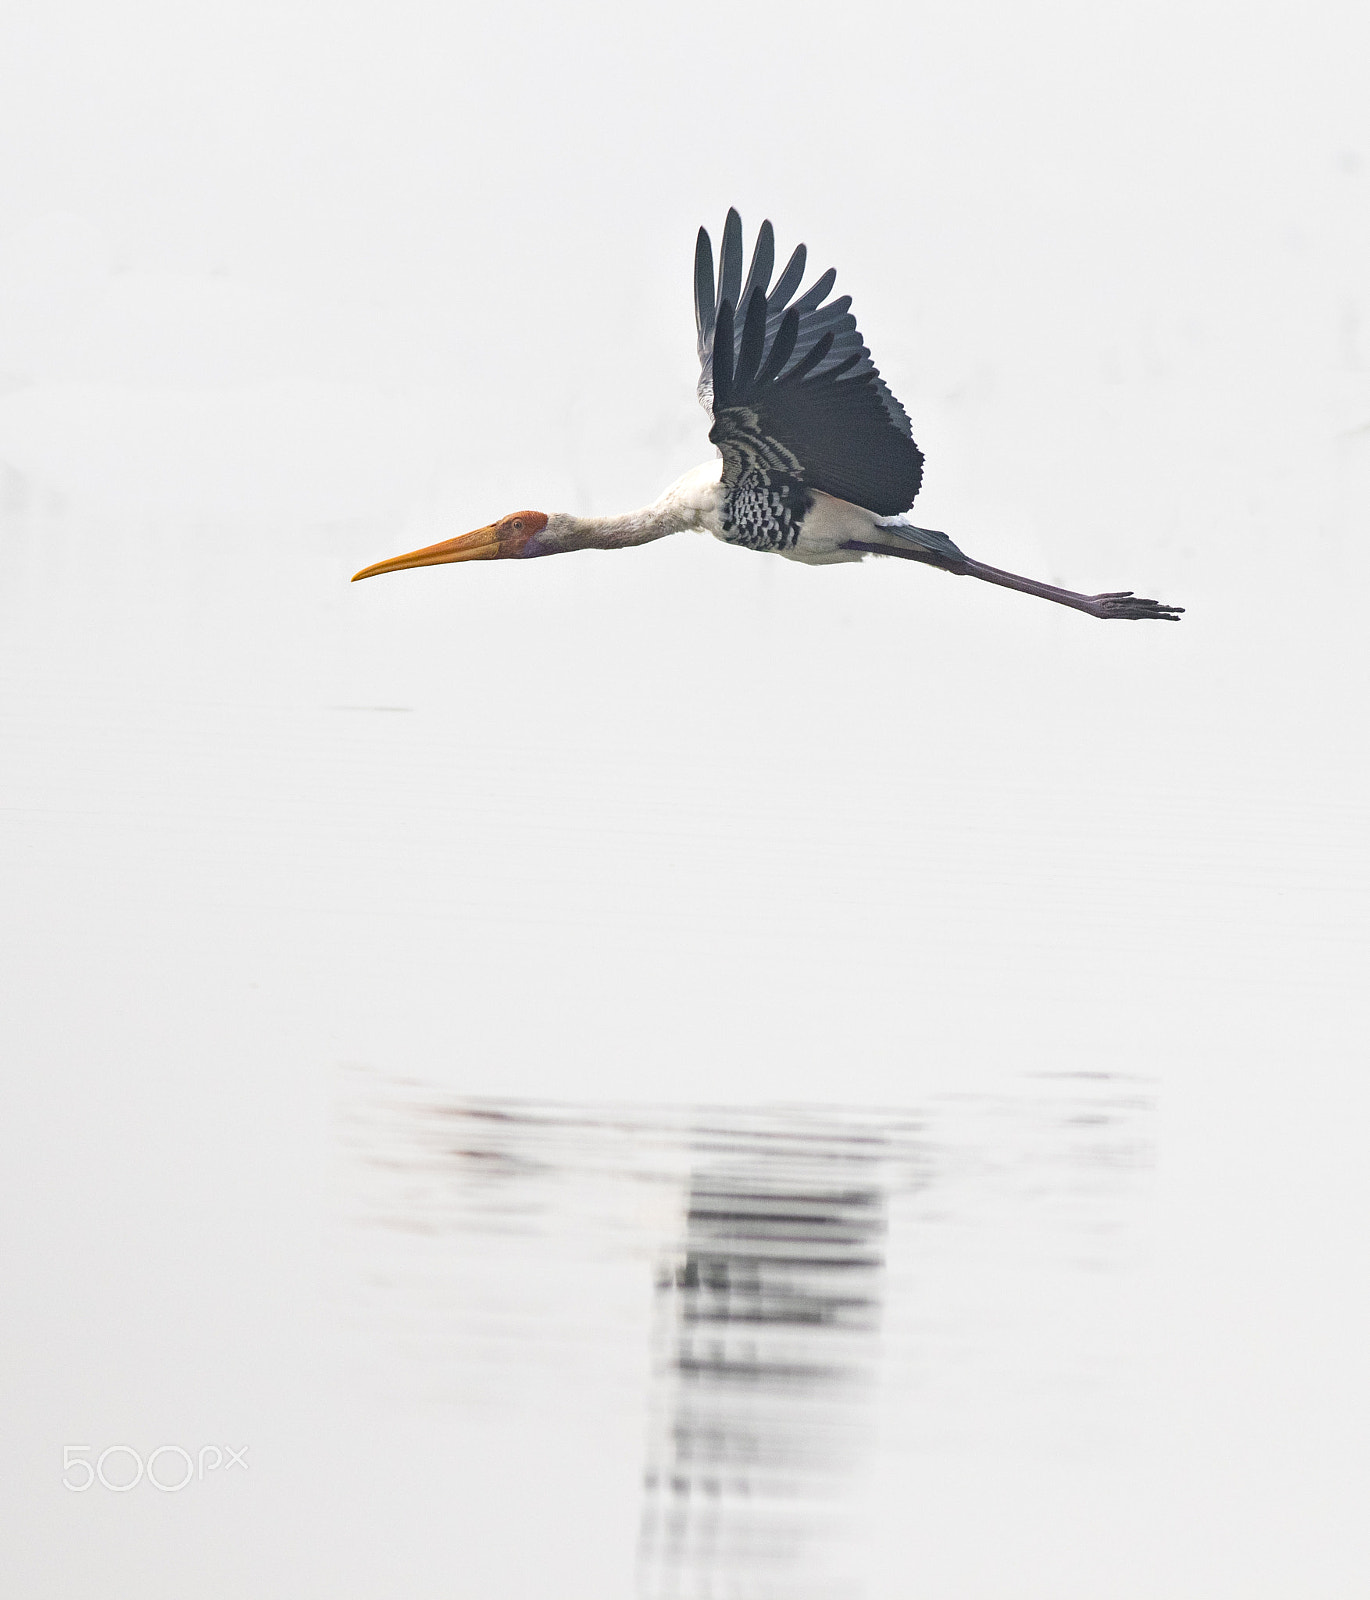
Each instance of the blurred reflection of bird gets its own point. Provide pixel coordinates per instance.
(817, 460)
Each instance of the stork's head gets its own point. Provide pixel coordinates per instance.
(521, 533)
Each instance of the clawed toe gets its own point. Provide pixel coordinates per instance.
(1124, 604)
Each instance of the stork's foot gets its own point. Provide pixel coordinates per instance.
(1117, 603)
(1123, 603)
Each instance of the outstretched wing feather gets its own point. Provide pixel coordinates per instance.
(753, 340)
(730, 261)
(705, 305)
(814, 297)
(782, 348)
(763, 262)
(802, 369)
(723, 354)
(787, 282)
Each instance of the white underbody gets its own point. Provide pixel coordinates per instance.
(697, 500)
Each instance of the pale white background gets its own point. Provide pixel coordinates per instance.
(286, 289)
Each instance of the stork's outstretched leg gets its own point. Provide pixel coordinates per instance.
(938, 551)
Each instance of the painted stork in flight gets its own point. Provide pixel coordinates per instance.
(817, 460)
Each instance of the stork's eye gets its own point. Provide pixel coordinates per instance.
(518, 524)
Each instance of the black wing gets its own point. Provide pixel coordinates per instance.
(791, 387)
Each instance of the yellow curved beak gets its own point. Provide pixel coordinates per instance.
(482, 545)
